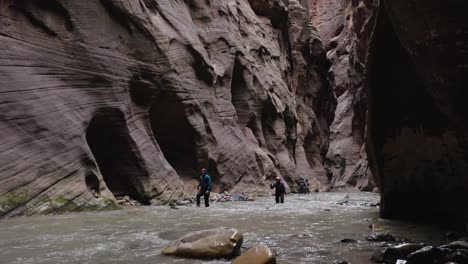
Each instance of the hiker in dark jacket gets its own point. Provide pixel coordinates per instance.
(204, 188)
(280, 190)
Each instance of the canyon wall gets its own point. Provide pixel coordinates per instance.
(106, 98)
(418, 117)
(346, 28)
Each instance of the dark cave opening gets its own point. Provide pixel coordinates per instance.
(115, 153)
(92, 183)
(174, 135)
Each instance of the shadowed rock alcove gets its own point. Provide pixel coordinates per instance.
(174, 135)
(419, 151)
(108, 138)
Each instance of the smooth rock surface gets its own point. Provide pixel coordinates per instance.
(257, 255)
(206, 244)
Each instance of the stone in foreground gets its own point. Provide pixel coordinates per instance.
(257, 255)
(206, 244)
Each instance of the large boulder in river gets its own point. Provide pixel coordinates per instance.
(206, 244)
(257, 255)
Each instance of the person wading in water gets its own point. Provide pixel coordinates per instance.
(204, 188)
(280, 190)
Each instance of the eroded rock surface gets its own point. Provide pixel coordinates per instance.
(111, 97)
(347, 27)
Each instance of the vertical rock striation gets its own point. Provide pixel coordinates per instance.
(111, 97)
(346, 28)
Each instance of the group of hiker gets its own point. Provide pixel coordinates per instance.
(204, 188)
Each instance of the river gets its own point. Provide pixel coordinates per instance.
(305, 229)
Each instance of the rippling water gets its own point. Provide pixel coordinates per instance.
(300, 231)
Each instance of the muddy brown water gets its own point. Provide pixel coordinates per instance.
(305, 229)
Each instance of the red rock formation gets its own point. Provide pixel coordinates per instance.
(346, 28)
(113, 97)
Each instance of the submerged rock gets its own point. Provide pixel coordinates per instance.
(459, 256)
(425, 255)
(206, 244)
(380, 237)
(257, 255)
(238, 197)
(456, 245)
(392, 254)
(348, 240)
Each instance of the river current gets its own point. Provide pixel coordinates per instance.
(305, 229)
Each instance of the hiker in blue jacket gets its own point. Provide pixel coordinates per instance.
(204, 188)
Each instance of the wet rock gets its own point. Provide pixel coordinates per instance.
(215, 196)
(343, 202)
(173, 207)
(340, 262)
(392, 254)
(425, 255)
(375, 227)
(348, 240)
(378, 256)
(401, 261)
(380, 237)
(456, 245)
(251, 198)
(459, 256)
(452, 236)
(257, 255)
(182, 203)
(238, 197)
(206, 244)
(375, 190)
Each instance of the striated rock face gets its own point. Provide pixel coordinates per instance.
(418, 132)
(134, 97)
(346, 27)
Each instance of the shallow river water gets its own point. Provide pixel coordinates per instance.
(305, 229)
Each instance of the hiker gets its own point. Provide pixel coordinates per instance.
(280, 190)
(307, 186)
(301, 187)
(204, 188)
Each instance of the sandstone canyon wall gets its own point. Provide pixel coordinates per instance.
(346, 28)
(132, 97)
(418, 116)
